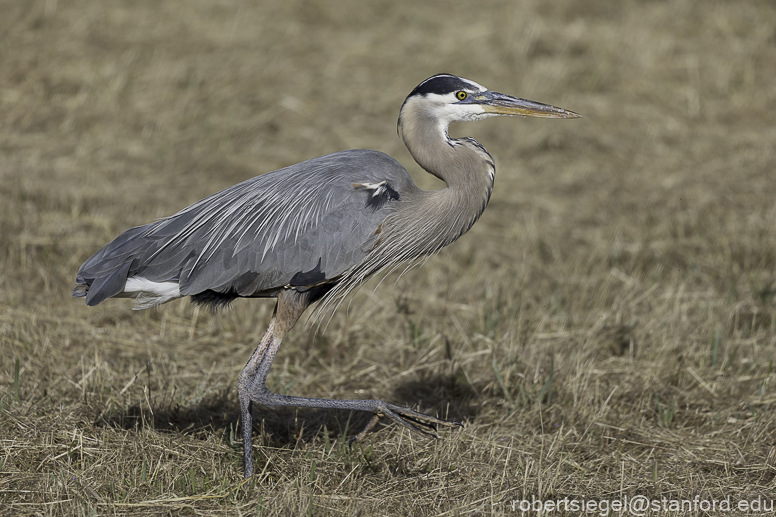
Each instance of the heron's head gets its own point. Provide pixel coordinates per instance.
(447, 98)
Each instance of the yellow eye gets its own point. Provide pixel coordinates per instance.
(461, 95)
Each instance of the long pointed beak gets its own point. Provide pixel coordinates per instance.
(500, 104)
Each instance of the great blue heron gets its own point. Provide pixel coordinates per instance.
(314, 231)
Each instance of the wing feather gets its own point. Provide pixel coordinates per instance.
(307, 221)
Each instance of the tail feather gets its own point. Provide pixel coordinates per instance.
(104, 287)
(105, 273)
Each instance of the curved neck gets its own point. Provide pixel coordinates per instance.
(427, 221)
(463, 164)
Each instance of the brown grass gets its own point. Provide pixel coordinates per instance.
(607, 329)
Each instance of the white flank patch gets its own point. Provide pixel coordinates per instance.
(148, 293)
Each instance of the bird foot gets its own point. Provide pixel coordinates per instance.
(404, 416)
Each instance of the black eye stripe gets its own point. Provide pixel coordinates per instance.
(441, 85)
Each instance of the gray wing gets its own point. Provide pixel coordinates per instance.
(300, 226)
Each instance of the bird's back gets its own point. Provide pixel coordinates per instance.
(301, 226)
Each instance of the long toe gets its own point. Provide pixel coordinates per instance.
(360, 436)
(406, 417)
(411, 423)
(421, 418)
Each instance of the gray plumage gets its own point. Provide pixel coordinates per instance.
(314, 231)
(253, 239)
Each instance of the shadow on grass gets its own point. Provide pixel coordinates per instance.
(279, 427)
(217, 411)
(440, 395)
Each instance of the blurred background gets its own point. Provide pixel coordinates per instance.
(622, 279)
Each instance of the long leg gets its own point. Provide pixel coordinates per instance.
(289, 308)
(252, 385)
(246, 405)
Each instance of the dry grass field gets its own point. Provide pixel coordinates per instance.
(607, 329)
